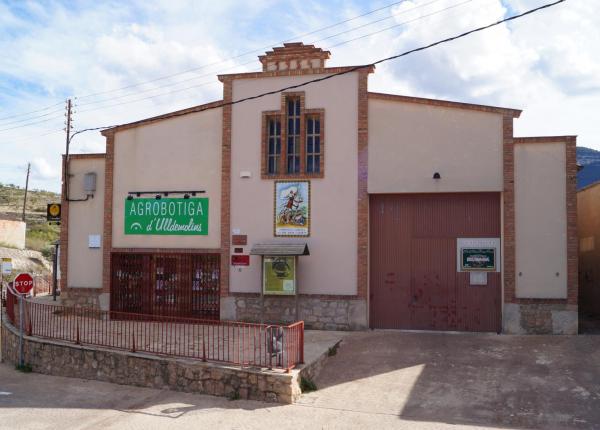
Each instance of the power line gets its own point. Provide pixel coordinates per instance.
(32, 118)
(353, 69)
(252, 62)
(31, 123)
(25, 138)
(252, 51)
(257, 50)
(30, 112)
(220, 62)
(398, 25)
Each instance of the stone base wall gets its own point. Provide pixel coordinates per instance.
(317, 312)
(85, 297)
(143, 370)
(540, 318)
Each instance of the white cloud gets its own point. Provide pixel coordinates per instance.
(547, 63)
(42, 170)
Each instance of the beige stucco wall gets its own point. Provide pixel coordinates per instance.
(409, 142)
(541, 220)
(180, 153)
(85, 219)
(12, 233)
(331, 267)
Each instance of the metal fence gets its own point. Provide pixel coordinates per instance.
(237, 343)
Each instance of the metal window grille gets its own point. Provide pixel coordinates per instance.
(166, 284)
(313, 144)
(273, 145)
(293, 135)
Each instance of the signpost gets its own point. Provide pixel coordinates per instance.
(22, 285)
(6, 266)
(53, 213)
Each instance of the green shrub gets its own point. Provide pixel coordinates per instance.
(306, 385)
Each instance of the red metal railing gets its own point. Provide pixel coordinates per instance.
(245, 344)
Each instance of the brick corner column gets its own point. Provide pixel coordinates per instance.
(509, 257)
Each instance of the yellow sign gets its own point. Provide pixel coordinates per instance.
(53, 212)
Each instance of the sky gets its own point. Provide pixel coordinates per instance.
(121, 61)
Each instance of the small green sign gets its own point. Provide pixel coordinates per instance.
(279, 275)
(167, 216)
(478, 259)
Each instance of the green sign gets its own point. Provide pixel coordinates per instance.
(167, 216)
(478, 259)
(279, 275)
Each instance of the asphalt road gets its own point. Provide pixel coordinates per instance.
(377, 380)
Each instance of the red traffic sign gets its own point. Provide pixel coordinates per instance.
(23, 283)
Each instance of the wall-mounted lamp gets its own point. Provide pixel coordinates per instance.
(436, 175)
(159, 194)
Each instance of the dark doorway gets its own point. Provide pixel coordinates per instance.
(414, 282)
(167, 284)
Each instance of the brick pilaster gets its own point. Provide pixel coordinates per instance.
(509, 250)
(363, 196)
(108, 212)
(572, 240)
(226, 186)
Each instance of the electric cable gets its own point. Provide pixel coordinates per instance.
(255, 50)
(351, 69)
(252, 62)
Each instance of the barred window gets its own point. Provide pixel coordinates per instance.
(273, 145)
(293, 135)
(313, 144)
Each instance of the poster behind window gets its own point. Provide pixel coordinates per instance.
(279, 275)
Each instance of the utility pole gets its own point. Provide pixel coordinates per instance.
(68, 114)
(26, 188)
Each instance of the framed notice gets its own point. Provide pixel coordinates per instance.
(167, 216)
(478, 259)
(279, 275)
(292, 209)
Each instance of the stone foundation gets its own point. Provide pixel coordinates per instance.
(144, 370)
(540, 318)
(317, 312)
(85, 297)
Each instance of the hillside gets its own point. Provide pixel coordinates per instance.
(590, 160)
(40, 235)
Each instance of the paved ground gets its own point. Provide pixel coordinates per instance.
(378, 380)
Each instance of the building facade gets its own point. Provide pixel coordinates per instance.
(588, 227)
(322, 201)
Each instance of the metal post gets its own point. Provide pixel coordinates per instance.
(54, 272)
(26, 189)
(262, 290)
(21, 355)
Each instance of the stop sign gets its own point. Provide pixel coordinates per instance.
(23, 283)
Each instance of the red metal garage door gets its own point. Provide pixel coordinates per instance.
(414, 283)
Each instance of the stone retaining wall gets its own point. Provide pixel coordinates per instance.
(144, 370)
(85, 297)
(317, 312)
(540, 318)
